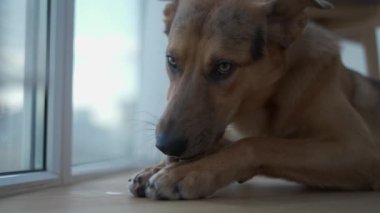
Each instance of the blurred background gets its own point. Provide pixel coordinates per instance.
(119, 82)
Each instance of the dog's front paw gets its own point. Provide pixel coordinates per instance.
(180, 183)
(139, 182)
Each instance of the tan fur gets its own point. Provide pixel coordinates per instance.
(296, 113)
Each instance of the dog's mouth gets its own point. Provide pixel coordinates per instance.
(207, 151)
(192, 156)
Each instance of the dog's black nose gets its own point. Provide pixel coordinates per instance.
(170, 145)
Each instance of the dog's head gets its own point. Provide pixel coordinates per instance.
(221, 54)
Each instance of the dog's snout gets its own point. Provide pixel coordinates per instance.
(170, 145)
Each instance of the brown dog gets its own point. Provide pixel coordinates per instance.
(257, 70)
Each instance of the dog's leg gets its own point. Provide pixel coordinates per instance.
(322, 164)
(315, 163)
(139, 181)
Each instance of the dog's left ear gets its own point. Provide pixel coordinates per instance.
(287, 19)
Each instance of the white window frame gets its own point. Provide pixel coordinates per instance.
(58, 130)
(35, 74)
(59, 169)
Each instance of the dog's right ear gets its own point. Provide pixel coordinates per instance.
(169, 13)
(287, 18)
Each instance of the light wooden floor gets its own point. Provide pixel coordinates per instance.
(261, 195)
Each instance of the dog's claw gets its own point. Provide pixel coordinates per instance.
(176, 189)
(140, 192)
(138, 180)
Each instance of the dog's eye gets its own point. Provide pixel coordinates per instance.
(222, 71)
(172, 63)
(224, 68)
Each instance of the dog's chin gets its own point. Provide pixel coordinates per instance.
(190, 156)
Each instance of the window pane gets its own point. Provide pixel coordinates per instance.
(22, 84)
(354, 57)
(105, 79)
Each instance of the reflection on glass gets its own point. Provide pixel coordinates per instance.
(105, 79)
